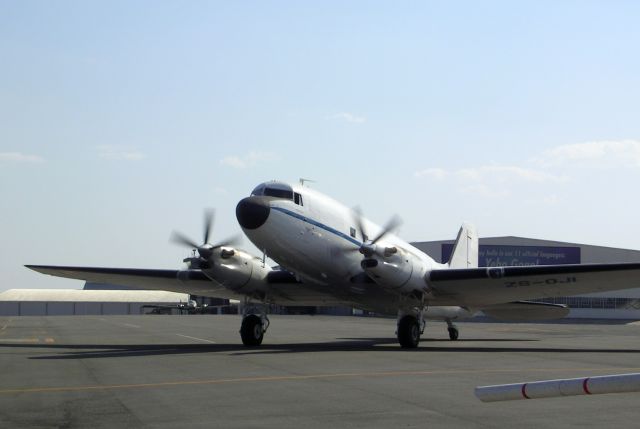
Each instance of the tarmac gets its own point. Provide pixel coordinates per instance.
(311, 371)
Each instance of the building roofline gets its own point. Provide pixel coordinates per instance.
(541, 242)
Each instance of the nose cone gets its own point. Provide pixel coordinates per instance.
(252, 212)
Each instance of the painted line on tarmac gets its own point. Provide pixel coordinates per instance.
(295, 378)
(127, 325)
(131, 325)
(196, 338)
(20, 340)
(47, 340)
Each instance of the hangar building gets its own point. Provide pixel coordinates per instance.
(520, 251)
(68, 302)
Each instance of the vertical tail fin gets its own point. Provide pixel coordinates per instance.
(465, 249)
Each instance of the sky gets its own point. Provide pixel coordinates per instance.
(123, 120)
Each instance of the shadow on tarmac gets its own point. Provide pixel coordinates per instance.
(93, 351)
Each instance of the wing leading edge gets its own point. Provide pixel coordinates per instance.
(184, 281)
(480, 287)
(284, 289)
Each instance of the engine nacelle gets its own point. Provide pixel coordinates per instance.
(397, 270)
(239, 272)
(447, 313)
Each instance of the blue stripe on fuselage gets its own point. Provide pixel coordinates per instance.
(318, 224)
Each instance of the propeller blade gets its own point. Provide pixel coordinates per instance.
(208, 223)
(229, 242)
(178, 238)
(393, 224)
(359, 225)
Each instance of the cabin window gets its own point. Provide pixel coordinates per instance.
(297, 198)
(352, 232)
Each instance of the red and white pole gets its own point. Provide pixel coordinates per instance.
(621, 383)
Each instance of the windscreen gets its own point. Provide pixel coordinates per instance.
(276, 190)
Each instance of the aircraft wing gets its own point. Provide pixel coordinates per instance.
(481, 287)
(186, 281)
(283, 287)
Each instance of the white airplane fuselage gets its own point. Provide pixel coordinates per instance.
(315, 237)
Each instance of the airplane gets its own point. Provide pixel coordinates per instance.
(330, 255)
(189, 307)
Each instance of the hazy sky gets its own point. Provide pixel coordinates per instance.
(121, 121)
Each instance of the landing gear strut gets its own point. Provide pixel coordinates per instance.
(453, 331)
(253, 325)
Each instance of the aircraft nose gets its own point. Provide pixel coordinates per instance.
(252, 212)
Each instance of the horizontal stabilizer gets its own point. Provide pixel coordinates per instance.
(526, 310)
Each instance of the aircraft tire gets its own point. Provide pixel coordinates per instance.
(408, 332)
(453, 334)
(251, 331)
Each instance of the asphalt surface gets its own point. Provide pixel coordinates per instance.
(311, 371)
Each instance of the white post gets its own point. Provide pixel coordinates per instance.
(621, 383)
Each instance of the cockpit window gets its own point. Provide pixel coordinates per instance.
(275, 189)
(259, 190)
(278, 193)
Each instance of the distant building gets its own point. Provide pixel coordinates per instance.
(68, 302)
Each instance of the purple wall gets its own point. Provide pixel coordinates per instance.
(501, 256)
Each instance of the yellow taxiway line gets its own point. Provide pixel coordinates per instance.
(296, 378)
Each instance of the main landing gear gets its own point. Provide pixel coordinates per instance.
(411, 327)
(253, 325)
(453, 331)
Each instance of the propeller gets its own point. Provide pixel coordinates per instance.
(206, 249)
(368, 247)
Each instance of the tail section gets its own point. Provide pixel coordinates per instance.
(465, 249)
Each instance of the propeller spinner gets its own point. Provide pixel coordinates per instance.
(369, 248)
(205, 250)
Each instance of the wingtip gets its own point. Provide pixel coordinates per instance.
(36, 267)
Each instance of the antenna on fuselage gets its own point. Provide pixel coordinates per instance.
(303, 181)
